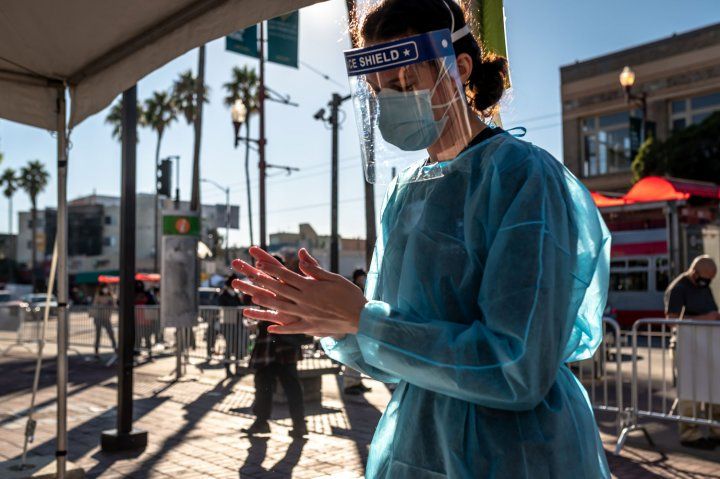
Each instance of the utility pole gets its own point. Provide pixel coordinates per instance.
(199, 89)
(334, 121)
(226, 190)
(261, 142)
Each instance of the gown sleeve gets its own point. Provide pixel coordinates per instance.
(541, 254)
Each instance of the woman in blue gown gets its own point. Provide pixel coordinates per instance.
(485, 282)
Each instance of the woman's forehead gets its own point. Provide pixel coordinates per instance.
(401, 75)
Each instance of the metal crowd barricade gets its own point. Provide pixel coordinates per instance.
(681, 371)
(221, 335)
(93, 326)
(16, 329)
(601, 375)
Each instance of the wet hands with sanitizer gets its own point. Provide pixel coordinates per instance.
(319, 302)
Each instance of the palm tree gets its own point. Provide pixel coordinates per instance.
(114, 119)
(33, 179)
(186, 91)
(158, 113)
(9, 181)
(244, 87)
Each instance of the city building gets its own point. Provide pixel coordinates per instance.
(94, 234)
(8, 247)
(680, 79)
(352, 251)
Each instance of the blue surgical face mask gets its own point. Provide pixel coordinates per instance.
(406, 119)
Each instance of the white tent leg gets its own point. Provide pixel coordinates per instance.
(62, 288)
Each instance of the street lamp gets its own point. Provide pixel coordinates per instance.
(238, 112)
(226, 189)
(627, 81)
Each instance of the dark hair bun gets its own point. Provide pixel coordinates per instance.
(487, 83)
(391, 19)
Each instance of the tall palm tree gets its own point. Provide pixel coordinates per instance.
(158, 113)
(9, 183)
(188, 93)
(114, 119)
(244, 87)
(33, 179)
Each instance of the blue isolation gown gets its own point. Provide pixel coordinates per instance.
(484, 283)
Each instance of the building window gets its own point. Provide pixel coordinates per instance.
(606, 144)
(108, 220)
(109, 241)
(689, 111)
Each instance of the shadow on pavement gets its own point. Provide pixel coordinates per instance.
(84, 437)
(17, 376)
(363, 418)
(195, 411)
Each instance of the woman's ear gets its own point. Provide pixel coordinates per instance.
(465, 65)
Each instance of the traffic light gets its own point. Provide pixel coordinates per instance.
(164, 182)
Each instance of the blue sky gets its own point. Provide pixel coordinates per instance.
(542, 36)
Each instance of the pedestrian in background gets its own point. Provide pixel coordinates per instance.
(276, 356)
(144, 319)
(352, 379)
(230, 301)
(102, 308)
(689, 297)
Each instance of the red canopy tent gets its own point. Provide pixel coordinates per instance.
(149, 277)
(652, 189)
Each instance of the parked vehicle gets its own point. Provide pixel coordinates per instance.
(208, 296)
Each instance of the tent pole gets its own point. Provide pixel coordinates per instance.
(62, 287)
(124, 437)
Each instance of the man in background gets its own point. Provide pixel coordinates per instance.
(689, 297)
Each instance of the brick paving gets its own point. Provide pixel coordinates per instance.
(194, 428)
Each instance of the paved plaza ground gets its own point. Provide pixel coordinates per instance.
(194, 427)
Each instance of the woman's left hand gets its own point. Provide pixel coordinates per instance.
(320, 303)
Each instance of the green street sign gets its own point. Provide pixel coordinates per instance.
(181, 225)
(243, 41)
(283, 39)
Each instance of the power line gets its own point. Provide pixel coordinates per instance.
(535, 118)
(324, 75)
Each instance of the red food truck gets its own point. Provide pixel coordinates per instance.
(657, 229)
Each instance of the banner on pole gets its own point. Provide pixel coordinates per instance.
(178, 290)
(283, 39)
(243, 41)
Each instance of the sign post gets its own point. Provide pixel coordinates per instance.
(179, 302)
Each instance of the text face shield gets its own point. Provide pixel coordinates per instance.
(410, 106)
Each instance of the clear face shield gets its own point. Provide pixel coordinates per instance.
(410, 106)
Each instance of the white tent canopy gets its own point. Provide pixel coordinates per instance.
(99, 48)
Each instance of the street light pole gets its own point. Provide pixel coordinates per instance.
(239, 114)
(226, 189)
(627, 81)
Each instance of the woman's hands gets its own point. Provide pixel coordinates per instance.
(320, 303)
